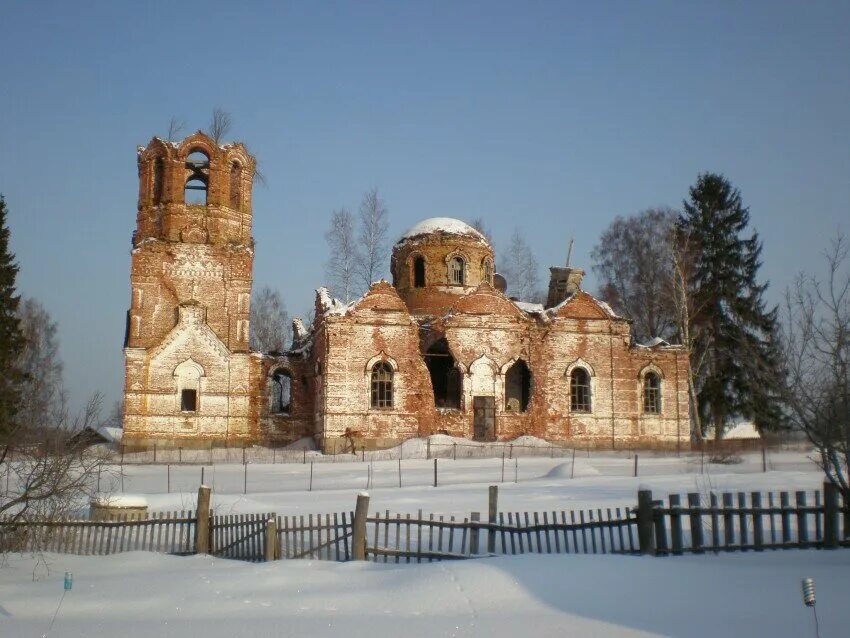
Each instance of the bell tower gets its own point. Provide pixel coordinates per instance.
(190, 277)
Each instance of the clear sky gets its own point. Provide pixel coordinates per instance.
(552, 116)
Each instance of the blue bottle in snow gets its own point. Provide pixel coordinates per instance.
(69, 581)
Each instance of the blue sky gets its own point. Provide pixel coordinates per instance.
(552, 116)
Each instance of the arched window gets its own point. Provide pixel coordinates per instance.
(382, 385)
(488, 271)
(280, 392)
(188, 376)
(652, 393)
(235, 186)
(456, 271)
(197, 181)
(517, 387)
(158, 179)
(580, 390)
(419, 272)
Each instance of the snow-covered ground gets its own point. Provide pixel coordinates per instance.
(141, 595)
(598, 480)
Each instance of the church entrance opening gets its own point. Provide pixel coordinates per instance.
(445, 377)
(484, 418)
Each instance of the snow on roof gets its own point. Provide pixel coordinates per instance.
(529, 307)
(331, 305)
(445, 225)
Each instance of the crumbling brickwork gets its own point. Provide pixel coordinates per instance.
(441, 350)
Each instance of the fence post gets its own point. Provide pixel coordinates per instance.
(636, 463)
(830, 515)
(271, 540)
(473, 533)
(358, 541)
(202, 523)
(435, 472)
(696, 522)
(646, 537)
(492, 512)
(428, 448)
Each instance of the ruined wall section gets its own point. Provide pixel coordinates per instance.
(153, 385)
(583, 333)
(486, 334)
(282, 428)
(377, 328)
(166, 274)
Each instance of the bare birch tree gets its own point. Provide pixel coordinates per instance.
(816, 348)
(42, 391)
(519, 267)
(479, 225)
(341, 267)
(220, 124)
(683, 304)
(175, 126)
(372, 255)
(632, 261)
(269, 322)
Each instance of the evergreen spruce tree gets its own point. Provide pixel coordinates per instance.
(11, 338)
(735, 345)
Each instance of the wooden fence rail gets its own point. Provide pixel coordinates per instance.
(742, 521)
(698, 523)
(168, 532)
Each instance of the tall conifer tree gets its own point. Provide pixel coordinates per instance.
(734, 334)
(11, 339)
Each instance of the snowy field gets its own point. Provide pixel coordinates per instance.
(141, 595)
(144, 594)
(530, 484)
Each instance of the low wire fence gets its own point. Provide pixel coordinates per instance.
(425, 448)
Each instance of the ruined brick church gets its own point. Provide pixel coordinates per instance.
(440, 350)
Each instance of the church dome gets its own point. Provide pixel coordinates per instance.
(442, 226)
(438, 261)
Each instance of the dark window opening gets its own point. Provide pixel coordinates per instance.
(652, 393)
(281, 392)
(517, 387)
(456, 271)
(189, 400)
(488, 271)
(235, 186)
(419, 272)
(382, 385)
(158, 178)
(579, 390)
(445, 377)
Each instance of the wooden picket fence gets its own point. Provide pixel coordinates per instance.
(167, 532)
(416, 539)
(323, 537)
(741, 521)
(707, 523)
(239, 536)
